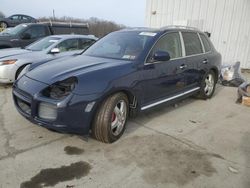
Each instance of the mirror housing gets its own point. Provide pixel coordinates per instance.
(55, 51)
(161, 56)
(26, 36)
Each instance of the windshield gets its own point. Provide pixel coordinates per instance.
(121, 45)
(14, 30)
(43, 44)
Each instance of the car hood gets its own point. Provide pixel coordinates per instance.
(48, 58)
(70, 66)
(12, 51)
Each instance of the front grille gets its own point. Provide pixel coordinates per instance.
(24, 106)
(23, 101)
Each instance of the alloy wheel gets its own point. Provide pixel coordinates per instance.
(209, 84)
(118, 118)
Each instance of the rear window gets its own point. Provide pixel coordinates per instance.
(205, 42)
(192, 43)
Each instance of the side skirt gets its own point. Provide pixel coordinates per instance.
(170, 98)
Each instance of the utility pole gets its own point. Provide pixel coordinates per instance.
(54, 17)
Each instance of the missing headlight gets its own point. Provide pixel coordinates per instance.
(61, 89)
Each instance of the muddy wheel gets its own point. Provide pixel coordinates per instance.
(110, 119)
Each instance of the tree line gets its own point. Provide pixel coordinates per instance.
(97, 27)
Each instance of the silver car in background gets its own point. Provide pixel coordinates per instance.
(14, 60)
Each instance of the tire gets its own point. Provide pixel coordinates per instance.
(3, 25)
(110, 120)
(207, 85)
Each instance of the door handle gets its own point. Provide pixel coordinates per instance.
(205, 61)
(183, 66)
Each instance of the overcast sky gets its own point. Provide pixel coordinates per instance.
(127, 12)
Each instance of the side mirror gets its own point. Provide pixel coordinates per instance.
(55, 51)
(26, 36)
(161, 56)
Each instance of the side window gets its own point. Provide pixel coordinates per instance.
(206, 43)
(68, 45)
(25, 18)
(192, 43)
(85, 43)
(36, 32)
(170, 43)
(15, 17)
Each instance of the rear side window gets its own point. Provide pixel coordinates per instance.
(36, 31)
(169, 43)
(205, 42)
(85, 43)
(68, 45)
(192, 43)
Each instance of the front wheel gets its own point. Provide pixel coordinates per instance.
(208, 85)
(3, 25)
(110, 119)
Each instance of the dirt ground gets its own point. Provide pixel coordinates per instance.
(195, 143)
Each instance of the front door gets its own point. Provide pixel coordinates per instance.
(166, 78)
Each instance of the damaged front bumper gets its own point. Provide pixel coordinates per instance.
(68, 115)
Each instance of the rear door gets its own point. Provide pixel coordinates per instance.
(207, 48)
(167, 78)
(195, 58)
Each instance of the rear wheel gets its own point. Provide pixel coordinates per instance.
(110, 119)
(208, 85)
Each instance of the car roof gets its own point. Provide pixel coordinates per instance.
(69, 36)
(163, 29)
(21, 15)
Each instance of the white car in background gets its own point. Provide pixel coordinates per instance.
(14, 60)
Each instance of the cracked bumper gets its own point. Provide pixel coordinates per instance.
(70, 113)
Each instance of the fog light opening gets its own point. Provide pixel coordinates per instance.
(47, 111)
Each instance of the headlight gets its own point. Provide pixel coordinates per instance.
(61, 89)
(8, 62)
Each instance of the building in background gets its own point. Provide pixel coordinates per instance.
(228, 21)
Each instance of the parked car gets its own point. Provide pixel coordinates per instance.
(24, 34)
(123, 73)
(15, 20)
(16, 60)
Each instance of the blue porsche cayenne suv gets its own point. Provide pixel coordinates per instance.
(123, 73)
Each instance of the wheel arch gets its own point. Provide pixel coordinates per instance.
(7, 24)
(216, 72)
(132, 98)
(20, 69)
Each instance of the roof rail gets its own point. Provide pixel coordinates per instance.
(70, 23)
(179, 27)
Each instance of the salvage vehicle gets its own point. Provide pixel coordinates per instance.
(15, 61)
(25, 34)
(15, 20)
(125, 72)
